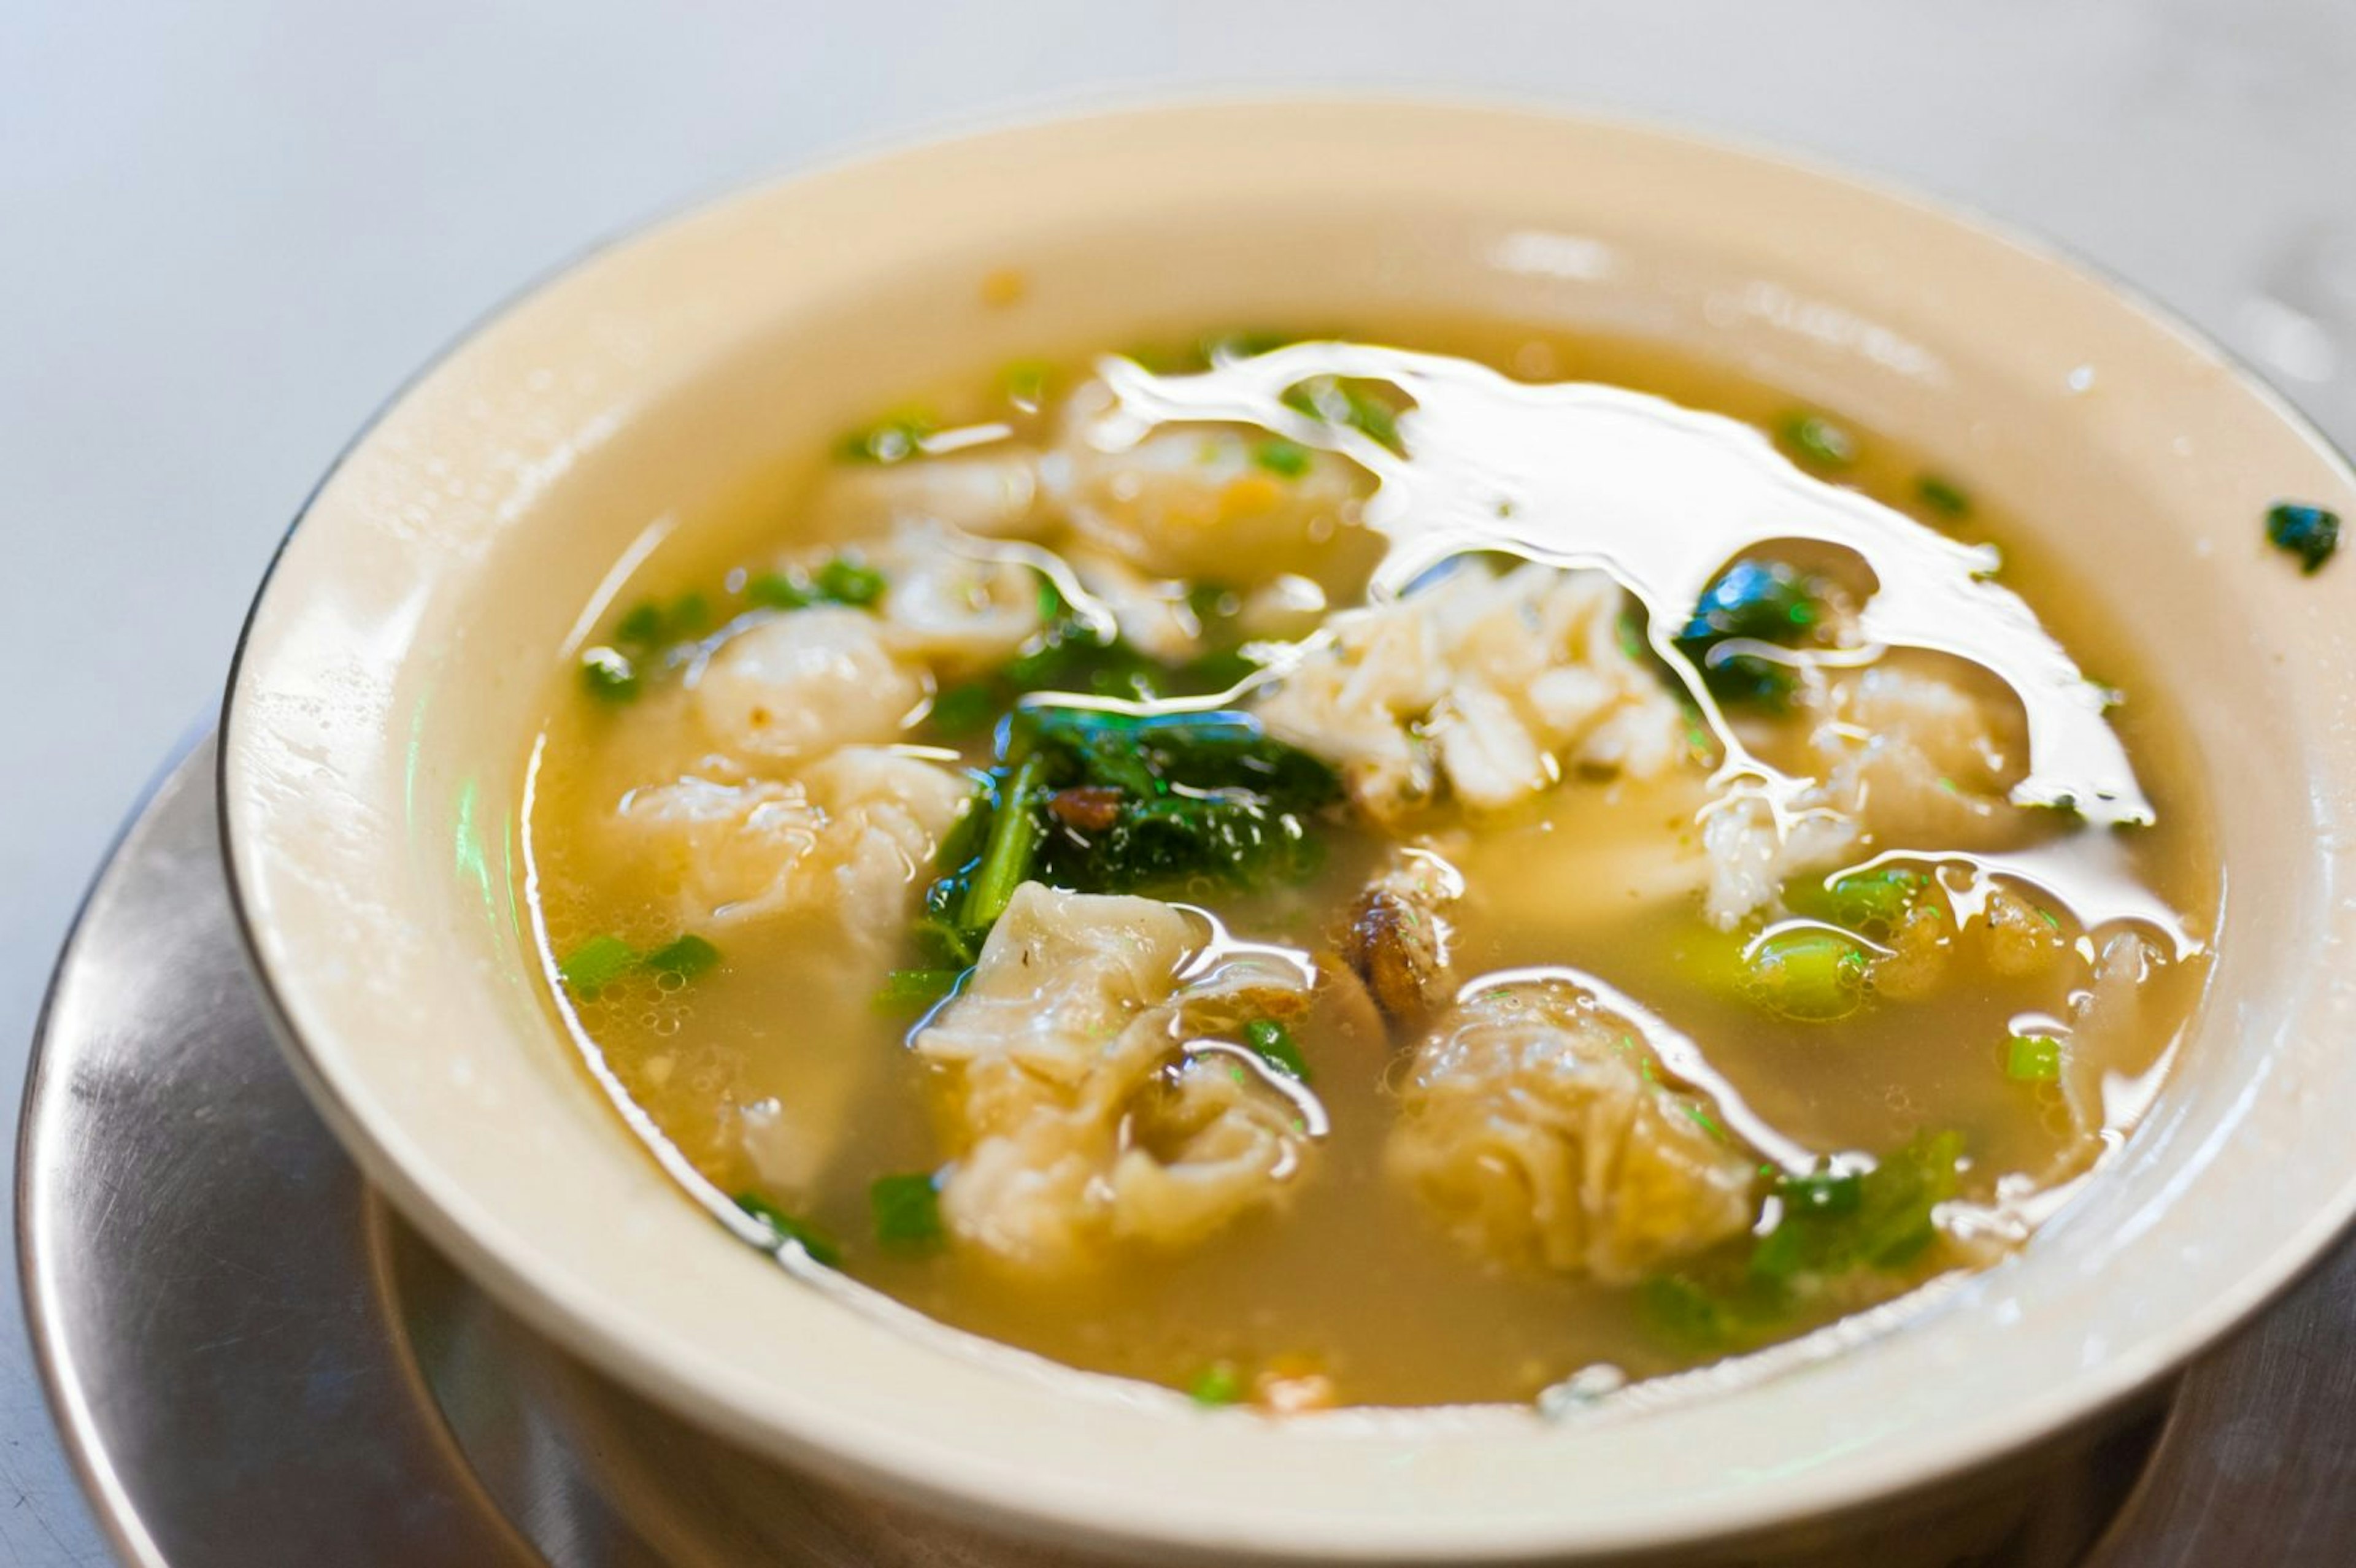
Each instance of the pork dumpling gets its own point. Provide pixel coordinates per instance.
(1496, 683)
(848, 840)
(993, 492)
(1920, 751)
(1907, 752)
(805, 682)
(1080, 1119)
(956, 609)
(1530, 1124)
(1206, 503)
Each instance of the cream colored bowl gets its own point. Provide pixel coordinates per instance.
(376, 725)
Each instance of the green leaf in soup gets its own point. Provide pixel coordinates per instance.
(1818, 441)
(686, 957)
(2033, 1059)
(1810, 976)
(786, 1229)
(609, 675)
(1944, 496)
(906, 1209)
(596, 964)
(892, 439)
(1216, 1385)
(2311, 533)
(1273, 1043)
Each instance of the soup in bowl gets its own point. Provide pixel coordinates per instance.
(1448, 852)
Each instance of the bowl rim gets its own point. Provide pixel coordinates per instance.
(1110, 1519)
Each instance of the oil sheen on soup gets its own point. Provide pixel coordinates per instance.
(1315, 873)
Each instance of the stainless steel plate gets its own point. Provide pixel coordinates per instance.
(255, 1362)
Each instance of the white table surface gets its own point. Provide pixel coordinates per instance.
(227, 230)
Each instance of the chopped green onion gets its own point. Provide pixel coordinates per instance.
(687, 956)
(642, 627)
(1287, 459)
(1874, 902)
(1817, 440)
(894, 439)
(1273, 1044)
(846, 582)
(1943, 497)
(2308, 532)
(596, 964)
(775, 591)
(608, 674)
(1026, 382)
(907, 1209)
(1811, 975)
(786, 1229)
(913, 990)
(2033, 1059)
(1220, 1383)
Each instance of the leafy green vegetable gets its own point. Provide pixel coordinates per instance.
(963, 710)
(1206, 796)
(1815, 440)
(1220, 1383)
(2308, 532)
(1112, 802)
(1827, 1226)
(1273, 1043)
(786, 1229)
(1286, 459)
(896, 438)
(1943, 497)
(1006, 856)
(596, 964)
(687, 956)
(1812, 975)
(907, 1209)
(1758, 601)
(609, 674)
(2033, 1059)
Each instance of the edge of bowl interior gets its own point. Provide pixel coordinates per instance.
(341, 805)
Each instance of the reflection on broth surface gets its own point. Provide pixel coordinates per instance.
(1320, 874)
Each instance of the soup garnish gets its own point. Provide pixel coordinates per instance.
(1320, 874)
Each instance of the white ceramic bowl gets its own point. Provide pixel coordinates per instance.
(408, 633)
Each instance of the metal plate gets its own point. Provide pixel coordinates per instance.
(254, 1362)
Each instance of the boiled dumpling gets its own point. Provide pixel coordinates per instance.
(1496, 683)
(1201, 503)
(847, 842)
(1530, 1124)
(805, 682)
(1080, 1119)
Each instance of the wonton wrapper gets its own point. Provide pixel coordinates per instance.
(1489, 681)
(846, 842)
(1079, 1120)
(1528, 1126)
